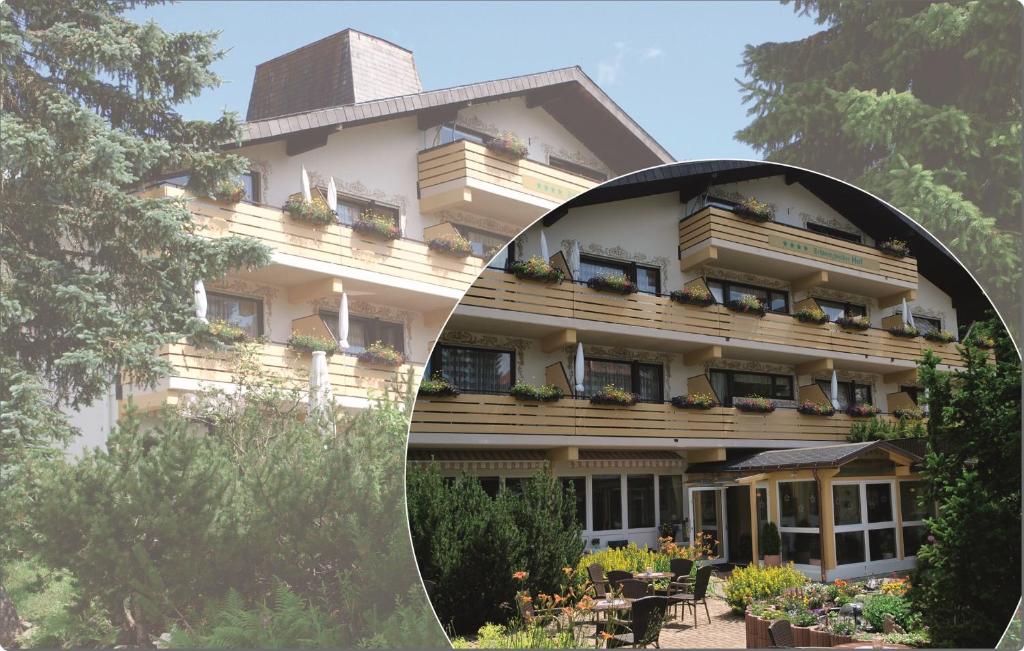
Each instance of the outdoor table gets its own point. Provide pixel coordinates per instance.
(651, 577)
(607, 606)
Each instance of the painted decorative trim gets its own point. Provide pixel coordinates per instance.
(482, 464)
(628, 463)
(517, 344)
(742, 277)
(749, 365)
(459, 218)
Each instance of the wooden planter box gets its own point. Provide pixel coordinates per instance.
(757, 632)
(758, 636)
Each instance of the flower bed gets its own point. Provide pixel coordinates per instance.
(693, 295)
(613, 395)
(381, 354)
(812, 408)
(903, 330)
(612, 283)
(437, 385)
(377, 225)
(314, 212)
(695, 401)
(857, 322)
(940, 336)
(754, 404)
(894, 247)
(863, 410)
(811, 315)
(538, 269)
(748, 305)
(756, 210)
(310, 343)
(542, 393)
(509, 144)
(456, 246)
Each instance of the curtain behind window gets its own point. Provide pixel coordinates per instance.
(601, 373)
(477, 371)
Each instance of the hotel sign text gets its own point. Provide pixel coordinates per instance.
(810, 249)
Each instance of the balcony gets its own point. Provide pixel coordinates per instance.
(553, 305)
(496, 415)
(717, 236)
(469, 177)
(303, 252)
(352, 382)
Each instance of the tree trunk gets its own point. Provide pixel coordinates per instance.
(10, 625)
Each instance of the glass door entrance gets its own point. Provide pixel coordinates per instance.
(707, 521)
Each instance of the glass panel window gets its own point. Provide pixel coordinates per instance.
(836, 309)
(913, 537)
(640, 498)
(503, 258)
(911, 507)
(514, 485)
(649, 382)
(882, 544)
(927, 324)
(349, 209)
(475, 370)
(593, 267)
(726, 291)
(251, 182)
(801, 548)
(879, 501)
(799, 504)
(577, 169)
(834, 232)
(606, 502)
(648, 279)
(741, 384)
(849, 392)
(363, 331)
(245, 313)
(850, 547)
(579, 486)
(452, 132)
(601, 372)
(846, 503)
(670, 499)
(491, 485)
(483, 244)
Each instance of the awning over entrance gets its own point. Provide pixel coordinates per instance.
(628, 459)
(829, 456)
(456, 459)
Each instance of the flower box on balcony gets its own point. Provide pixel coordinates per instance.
(894, 247)
(748, 305)
(693, 295)
(857, 322)
(909, 413)
(903, 330)
(811, 408)
(438, 386)
(217, 334)
(940, 336)
(311, 343)
(313, 212)
(754, 404)
(381, 354)
(456, 247)
(811, 315)
(613, 395)
(694, 401)
(612, 283)
(536, 269)
(543, 393)
(862, 410)
(377, 225)
(751, 208)
(229, 191)
(509, 144)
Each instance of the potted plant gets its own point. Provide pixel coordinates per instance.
(811, 408)
(940, 336)
(381, 354)
(811, 315)
(543, 393)
(854, 322)
(694, 401)
(377, 225)
(509, 144)
(455, 246)
(903, 330)
(754, 404)
(756, 210)
(747, 304)
(229, 190)
(693, 295)
(863, 410)
(313, 212)
(438, 386)
(894, 247)
(771, 541)
(613, 395)
(311, 343)
(536, 268)
(910, 413)
(617, 283)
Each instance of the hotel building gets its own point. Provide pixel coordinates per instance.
(843, 509)
(350, 109)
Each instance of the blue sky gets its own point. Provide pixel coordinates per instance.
(672, 66)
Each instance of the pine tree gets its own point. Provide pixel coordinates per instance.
(94, 277)
(917, 102)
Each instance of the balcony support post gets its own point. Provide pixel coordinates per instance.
(897, 299)
(314, 290)
(561, 455)
(444, 200)
(807, 282)
(697, 258)
(908, 376)
(824, 365)
(558, 340)
(701, 355)
(702, 455)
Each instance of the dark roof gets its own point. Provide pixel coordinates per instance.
(830, 456)
(567, 94)
(869, 213)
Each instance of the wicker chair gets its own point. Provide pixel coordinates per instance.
(699, 594)
(648, 616)
(596, 573)
(681, 582)
(781, 634)
(615, 576)
(633, 588)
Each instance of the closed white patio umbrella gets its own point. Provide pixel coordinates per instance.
(200, 299)
(332, 196)
(306, 194)
(543, 246)
(343, 323)
(320, 396)
(580, 367)
(834, 390)
(908, 318)
(574, 259)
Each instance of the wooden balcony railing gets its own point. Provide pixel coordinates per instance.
(501, 414)
(503, 291)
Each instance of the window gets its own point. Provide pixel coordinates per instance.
(363, 331)
(799, 522)
(741, 384)
(836, 309)
(865, 526)
(911, 391)
(640, 498)
(350, 208)
(850, 393)
(606, 495)
(475, 370)
(726, 291)
(491, 485)
(647, 278)
(503, 258)
(579, 486)
(914, 511)
(644, 379)
(452, 132)
(483, 244)
(926, 324)
(670, 499)
(834, 232)
(253, 188)
(245, 313)
(514, 485)
(577, 169)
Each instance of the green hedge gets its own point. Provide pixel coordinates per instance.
(747, 584)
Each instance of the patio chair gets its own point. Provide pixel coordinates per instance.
(596, 573)
(680, 584)
(699, 594)
(633, 588)
(616, 576)
(781, 634)
(544, 617)
(648, 616)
